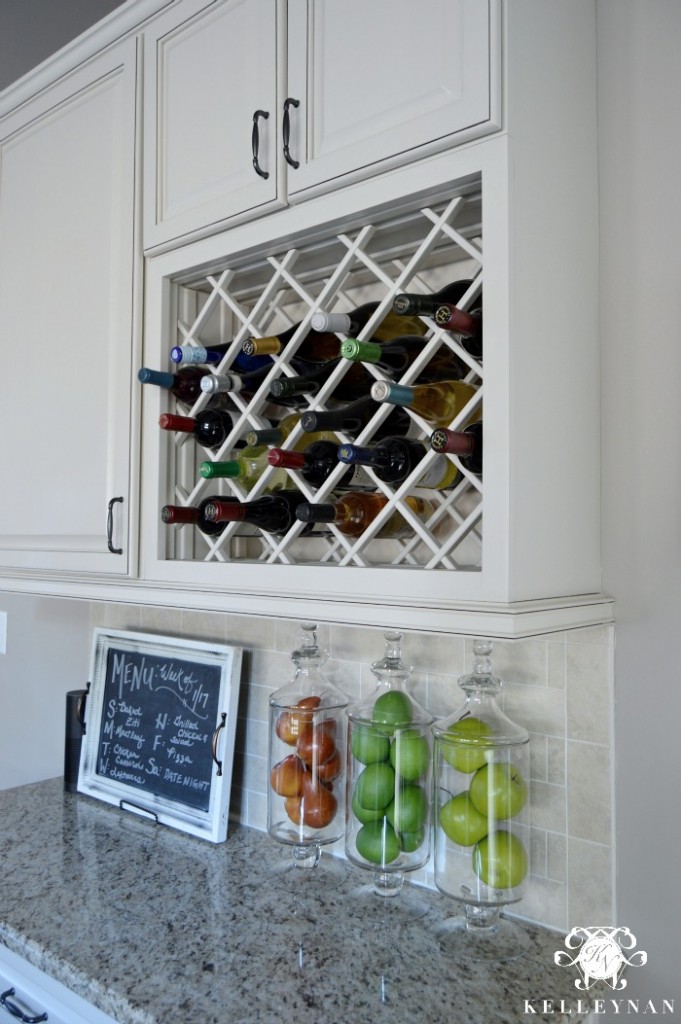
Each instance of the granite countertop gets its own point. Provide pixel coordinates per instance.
(156, 927)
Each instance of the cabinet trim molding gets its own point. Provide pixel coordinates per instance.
(513, 621)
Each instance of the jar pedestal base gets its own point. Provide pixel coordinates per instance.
(482, 934)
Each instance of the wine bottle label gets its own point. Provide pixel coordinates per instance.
(436, 473)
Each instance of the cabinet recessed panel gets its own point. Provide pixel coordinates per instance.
(206, 79)
(379, 83)
(65, 303)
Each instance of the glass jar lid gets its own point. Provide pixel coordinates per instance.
(479, 721)
(309, 681)
(390, 704)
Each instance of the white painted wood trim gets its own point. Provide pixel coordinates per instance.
(503, 621)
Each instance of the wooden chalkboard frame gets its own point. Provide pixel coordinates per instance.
(186, 685)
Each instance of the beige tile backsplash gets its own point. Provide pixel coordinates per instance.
(559, 686)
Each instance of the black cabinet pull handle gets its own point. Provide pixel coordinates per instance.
(255, 142)
(286, 131)
(17, 1012)
(109, 528)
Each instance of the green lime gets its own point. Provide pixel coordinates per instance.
(363, 814)
(391, 708)
(410, 841)
(375, 786)
(368, 744)
(378, 843)
(409, 810)
(410, 754)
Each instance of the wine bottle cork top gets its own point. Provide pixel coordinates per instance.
(147, 376)
(307, 512)
(336, 323)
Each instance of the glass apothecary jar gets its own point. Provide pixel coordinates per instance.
(482, 771)
(388, 829)
(307, 742)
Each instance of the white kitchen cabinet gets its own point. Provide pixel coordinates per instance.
(377, 86)
(29, 991)
(337, 91)
(516, 211)
(67, 202)
(210, 84)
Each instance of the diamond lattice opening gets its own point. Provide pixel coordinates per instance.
(417, 250)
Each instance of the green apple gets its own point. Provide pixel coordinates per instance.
(378, 843)
(368, 744)
(390, 709)
(498, 790)
(375, 787)
(366, 816)
(469, 744)
(410, 754)
(410, 841)
(409, 810)
(462, 822)
(500, 860)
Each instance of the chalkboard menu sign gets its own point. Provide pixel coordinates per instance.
(160, 724)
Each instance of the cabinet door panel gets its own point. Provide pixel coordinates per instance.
(206, 77)
(377, 86)
(66, 228)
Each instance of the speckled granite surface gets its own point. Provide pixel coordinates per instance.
(156, 927)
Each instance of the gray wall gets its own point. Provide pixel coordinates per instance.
(48, 654)
(31, 30)
(640, 220)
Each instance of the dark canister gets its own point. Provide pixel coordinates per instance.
(75, 729)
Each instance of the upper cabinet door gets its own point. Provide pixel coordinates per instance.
(210, 110)
(66, 305)
(378, 82)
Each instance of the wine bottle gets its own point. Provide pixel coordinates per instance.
(397, 355)
(273, 513)
(210, 427)
(394, 458)
(208, 355)
(465, 444)
(246, 383)
(437, 403)
(248, 466)
(351, 419)
(185, 384)
(180, 514)
(445, 314)
(316, 463)
(353, 384)
(353, 512)
(276, 435)
(316, 346)
(391, 326)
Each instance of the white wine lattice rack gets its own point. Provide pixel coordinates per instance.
(418, 250)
